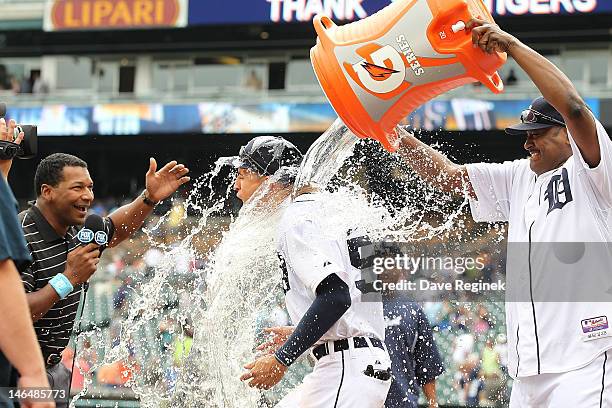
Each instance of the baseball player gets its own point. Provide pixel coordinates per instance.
(320, 271)
(263, 183)
(563, 192)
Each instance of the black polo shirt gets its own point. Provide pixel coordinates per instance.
(49, 253)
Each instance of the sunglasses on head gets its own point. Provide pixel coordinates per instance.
(531, 116)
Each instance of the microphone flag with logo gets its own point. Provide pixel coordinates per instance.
(93, 231)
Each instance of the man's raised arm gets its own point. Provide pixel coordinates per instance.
(554, 85)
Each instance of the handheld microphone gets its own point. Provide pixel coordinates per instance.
(93, 231)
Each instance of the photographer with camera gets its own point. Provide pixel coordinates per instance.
(16, 141)
(10, 139)
(62, 265)
(18, 345)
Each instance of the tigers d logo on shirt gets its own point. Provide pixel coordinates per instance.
(558, 191)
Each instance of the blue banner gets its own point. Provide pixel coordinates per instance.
(225, 117)
(291, 11)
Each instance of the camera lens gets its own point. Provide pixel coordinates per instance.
(8, 150)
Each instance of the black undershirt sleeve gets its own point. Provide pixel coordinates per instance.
(332, 301)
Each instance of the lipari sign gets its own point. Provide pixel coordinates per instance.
(66, 15)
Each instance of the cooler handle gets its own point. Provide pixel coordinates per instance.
(323, 23)
(493, 82)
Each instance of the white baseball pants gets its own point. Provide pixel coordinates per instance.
(338, 381)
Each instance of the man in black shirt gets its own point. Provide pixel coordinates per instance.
(60, 268)
(415, 360)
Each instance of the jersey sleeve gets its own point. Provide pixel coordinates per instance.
(492, 183)
(600, 177)
(428, 363)
(312, 256)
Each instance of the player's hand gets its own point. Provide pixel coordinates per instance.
(165, 181)
(279, 336)
(82, 262)
(38, 381)
(7, 133)
(489, 37)
(265, 372)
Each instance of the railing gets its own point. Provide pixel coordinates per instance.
(14, 11)
(108, 397)
(302, 94)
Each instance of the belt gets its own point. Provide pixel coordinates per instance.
(359, 342)
(53, 359)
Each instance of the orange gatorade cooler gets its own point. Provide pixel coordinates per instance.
(376, 71)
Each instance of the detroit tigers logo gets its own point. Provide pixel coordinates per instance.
(382, 71)
(558, 193)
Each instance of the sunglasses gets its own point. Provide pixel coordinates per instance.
(531, 116)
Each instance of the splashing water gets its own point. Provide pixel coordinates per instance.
(325, 157)
(230, 298)
(243, 285)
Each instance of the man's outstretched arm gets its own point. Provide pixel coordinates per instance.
(433, 167)
(160, 184)
(332, 300)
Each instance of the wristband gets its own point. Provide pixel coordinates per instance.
(147, 200)
(284, 361)
(62, 285)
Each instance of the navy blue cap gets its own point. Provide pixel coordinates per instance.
(539, 115)
(267, 154)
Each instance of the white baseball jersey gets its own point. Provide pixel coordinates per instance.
(568, 204)
(310, 250)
